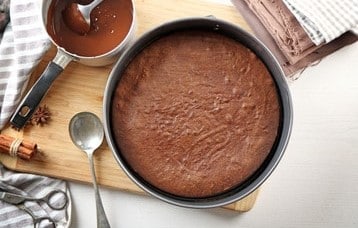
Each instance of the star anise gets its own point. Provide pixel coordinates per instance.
(41, 116)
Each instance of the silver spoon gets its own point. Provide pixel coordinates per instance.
(87, 9)
(86, 132)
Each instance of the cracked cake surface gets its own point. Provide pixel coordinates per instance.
(195, 113)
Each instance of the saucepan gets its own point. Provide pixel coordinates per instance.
(63, 57)
(234, 32)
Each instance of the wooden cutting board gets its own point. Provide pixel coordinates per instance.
(80, 88)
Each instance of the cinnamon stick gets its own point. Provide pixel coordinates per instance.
(17, 147)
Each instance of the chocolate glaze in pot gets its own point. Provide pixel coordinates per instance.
(195, 113)
(110, 23)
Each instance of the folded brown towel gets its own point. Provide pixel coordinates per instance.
(284, 28)
(278, 29)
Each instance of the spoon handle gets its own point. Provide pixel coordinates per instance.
(102, 221)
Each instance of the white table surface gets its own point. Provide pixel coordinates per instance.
(315, 184)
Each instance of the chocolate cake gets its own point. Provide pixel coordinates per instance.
(195, 113)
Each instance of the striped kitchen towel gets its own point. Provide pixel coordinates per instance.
(34, 186)
(325, 20)
(22, 46)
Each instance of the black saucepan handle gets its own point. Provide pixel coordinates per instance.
(31, 101)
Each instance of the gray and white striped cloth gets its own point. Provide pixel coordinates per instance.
(325, 20)
(22, 46)
(35, 186)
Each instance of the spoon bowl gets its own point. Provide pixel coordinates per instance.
(86, 131)
(78, 17)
